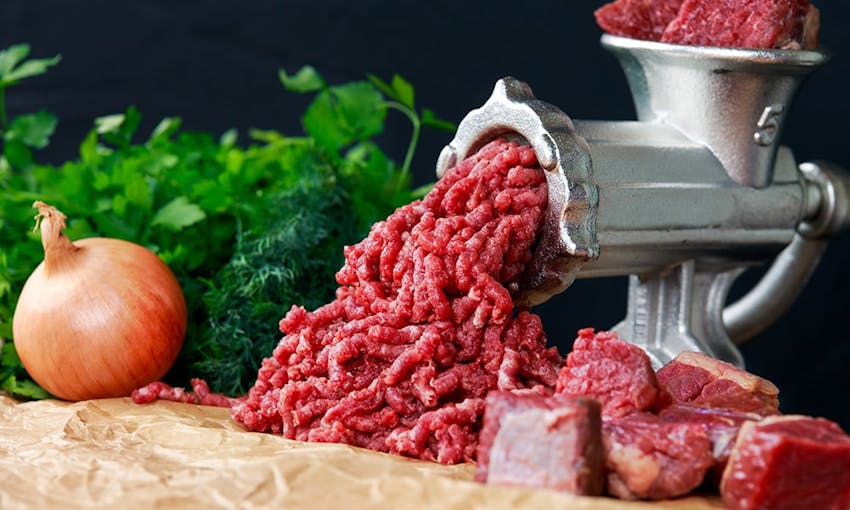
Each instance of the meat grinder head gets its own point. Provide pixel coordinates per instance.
(682, 200)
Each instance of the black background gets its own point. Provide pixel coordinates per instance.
(214, 64)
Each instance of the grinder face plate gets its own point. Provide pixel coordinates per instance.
(569, 232)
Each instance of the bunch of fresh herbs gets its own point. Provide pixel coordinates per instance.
(249, 230)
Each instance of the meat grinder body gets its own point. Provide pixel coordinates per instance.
(683, 200)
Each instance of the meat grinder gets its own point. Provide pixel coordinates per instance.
(682, 200)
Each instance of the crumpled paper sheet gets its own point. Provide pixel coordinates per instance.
(113, 453)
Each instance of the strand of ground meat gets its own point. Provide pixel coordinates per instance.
(422, 326)
(200, 394)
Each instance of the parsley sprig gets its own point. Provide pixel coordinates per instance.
(249, 224)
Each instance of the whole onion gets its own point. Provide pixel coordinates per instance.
(98, 317)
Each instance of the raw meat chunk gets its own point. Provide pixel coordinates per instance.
(745, 24)
(616, 373)
(638, 19)
(648, 458)
(700, 380)
(535, 441)
(811, 31)
(423, 324)
(721, 425)
(497, 404)
(788, 462)
(789, 24)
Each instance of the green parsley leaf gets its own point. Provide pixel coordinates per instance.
(109, 123)
(178, 214)
(306, 79)
(342, 115)
(399, 89)
(88, 148)
(23, 388)
(118, 129)
(28, 69)
(403, 91)
(5, 282)
(17, 154)
(431, 121)
(164, 130)
(10, 57)
(9, 356)
(33, 130)
(381, 85)
(228, 138)
(13, 68)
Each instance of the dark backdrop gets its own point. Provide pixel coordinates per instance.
(215, 63)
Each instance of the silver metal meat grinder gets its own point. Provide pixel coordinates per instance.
(682, 200)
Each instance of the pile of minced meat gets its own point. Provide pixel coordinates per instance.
(423, 325)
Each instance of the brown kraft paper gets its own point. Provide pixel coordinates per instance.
(113, 453)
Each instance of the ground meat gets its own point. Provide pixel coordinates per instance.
(699, 380)
(788, 462)
(648, 458)
(638, 19)
(422, 326)
(790, 24)
(200, 394)
(611, 370)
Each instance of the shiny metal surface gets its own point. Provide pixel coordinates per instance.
(731, 100)
(683, 200)
(664, 200)
(827, 215)
(679, 309)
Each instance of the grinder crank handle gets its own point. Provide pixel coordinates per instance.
(827, 214)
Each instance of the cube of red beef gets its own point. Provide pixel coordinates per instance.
(638, 19)
(745, 24)
(551, 442)
(721, 426)
(616, 373)
(648, 458)
(496, 405)
(699, 380)
(788, 462)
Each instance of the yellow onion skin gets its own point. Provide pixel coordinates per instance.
(99, 320)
